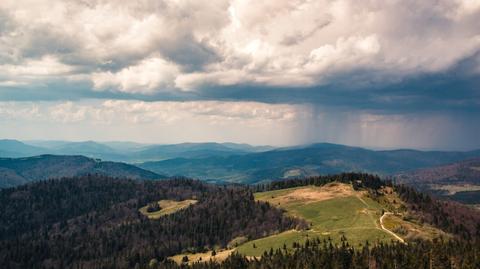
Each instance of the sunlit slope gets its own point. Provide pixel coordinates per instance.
(333, 211)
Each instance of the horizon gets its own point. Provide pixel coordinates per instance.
(274, 147)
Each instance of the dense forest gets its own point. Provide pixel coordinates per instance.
(449, 216)
(93, 221)
(358, 180)
(314, 253)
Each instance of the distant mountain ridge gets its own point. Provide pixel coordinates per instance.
(316, 159)
(14, 149)
(463, 172)
(243, 163)
(17, 171)
(125, 151)
(458, 181)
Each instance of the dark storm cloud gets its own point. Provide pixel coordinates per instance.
(362, 62)
(456, 89)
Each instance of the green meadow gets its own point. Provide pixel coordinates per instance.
(352, 215)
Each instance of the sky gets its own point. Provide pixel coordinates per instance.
(382, 74)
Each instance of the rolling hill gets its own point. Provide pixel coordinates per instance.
(190, 150)
(19, 171)
(317, 159)
(346, 210)
(459, 180)
(125, 151)
(94, 221)
(15, 149)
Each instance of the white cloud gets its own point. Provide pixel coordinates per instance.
(156, 122)
(250, 122)
(32, 70)
(149, 45)
(112, 111)
(146, 77)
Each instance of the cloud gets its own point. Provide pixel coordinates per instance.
(230, 43)
(148, 76)
(154, 122)
(251, 122)
(110, 111)
(220, 60)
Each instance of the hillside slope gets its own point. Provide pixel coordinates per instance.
(318, 159)
(94, 221)
(464, 172)
(459, 181)
(125, 151)
(15, 149)
(19, 171)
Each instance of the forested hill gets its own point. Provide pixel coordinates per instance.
(312, 160)
(459, 219)
(463, 172)
(94, 221)
(17, 171)
(459, 181)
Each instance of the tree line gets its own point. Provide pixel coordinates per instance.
(94, 222)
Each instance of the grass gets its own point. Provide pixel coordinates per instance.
(411, 230)
(167, 207)
(203, 257)
(352, 215)
(333, 211)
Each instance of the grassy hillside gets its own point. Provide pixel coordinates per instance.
(333, 211)
(337, 211)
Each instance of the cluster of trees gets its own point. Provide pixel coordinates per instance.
(94, 222)
(314, 253)
(449, 216)
(358, 180)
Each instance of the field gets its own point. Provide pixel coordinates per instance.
(334, 210)
(167, 207)
(203, 257)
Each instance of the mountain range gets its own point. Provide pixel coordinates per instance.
(311, 160)
(124, 151)
(218, 162)
(18, 171)
(459, 181)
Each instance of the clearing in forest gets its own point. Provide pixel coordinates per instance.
(166, 207)
(220, 255)
(333, 210)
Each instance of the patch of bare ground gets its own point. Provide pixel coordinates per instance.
(312, 194)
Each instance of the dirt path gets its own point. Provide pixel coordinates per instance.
(367, 207)
(387, 230)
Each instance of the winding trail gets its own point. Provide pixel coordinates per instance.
(387, 230)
